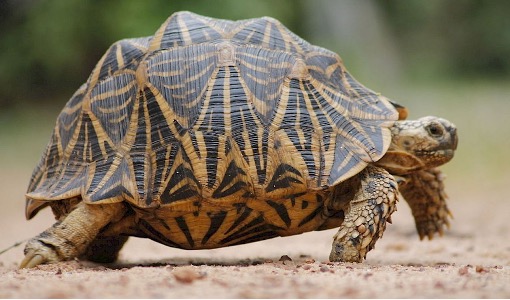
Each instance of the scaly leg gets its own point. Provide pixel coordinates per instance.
(372, 205)
(71, 237)
(424, 192)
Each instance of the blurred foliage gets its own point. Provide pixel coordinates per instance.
(466, 38)
(48, 47)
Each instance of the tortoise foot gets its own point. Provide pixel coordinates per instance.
(37, 253)
(366, 219)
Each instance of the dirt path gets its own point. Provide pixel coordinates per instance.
(471, 260)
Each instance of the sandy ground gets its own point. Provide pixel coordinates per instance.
(471, 260)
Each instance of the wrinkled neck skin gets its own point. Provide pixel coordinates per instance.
(419, 144)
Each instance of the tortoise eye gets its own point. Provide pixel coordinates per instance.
(435, 130)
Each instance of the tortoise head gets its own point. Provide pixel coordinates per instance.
(419, 144)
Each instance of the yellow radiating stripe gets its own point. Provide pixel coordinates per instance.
(68, 181)
(117, 120)
(236, 29)
(289, 40)
(73, 139)
(166, 109)
(121, 151)
(297, 122)
(120, 58)
(100, 132)
(309, 108)
(147, 124)
(302, 138)
(94, 77)
(260, 137)
(115, 92)
(114, 109)
(283, 32)
(165, 73)
(244, 52)
(158, 36)
(184, 30)
(174, 86)
(227, 106)
(157, 61)
(282, 105)
(129, 137)
(205, 105)
(85, 143)
(138, 45)
(255, 67)
(164, 177)
(91, 168)
(332, 68)
(267, 34)
(249, 36)
(58, 141)
(262, 82)
(199, 165)
(197, 76)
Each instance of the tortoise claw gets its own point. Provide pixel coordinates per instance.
(31, 260)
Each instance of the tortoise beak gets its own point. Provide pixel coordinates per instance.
(449, 144)
(455, 139)
(452, 131)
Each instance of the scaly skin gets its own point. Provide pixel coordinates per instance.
(417, 148)
(424, 192)
(366, 219)
(72, 236)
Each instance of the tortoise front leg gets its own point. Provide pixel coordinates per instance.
(71, 237)
(424, 192)
(365, 221)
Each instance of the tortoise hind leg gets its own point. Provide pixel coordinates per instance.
(71, 237)
(105, 249)
(106, 246)
(364, 223)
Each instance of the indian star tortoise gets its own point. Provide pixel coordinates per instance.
(213, 133)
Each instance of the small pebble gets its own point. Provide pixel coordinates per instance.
(186, 275)
(285, 258)
(324, 269)
(481, 269)
(464, 271)
(307, 267)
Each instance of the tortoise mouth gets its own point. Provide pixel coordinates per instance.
(436, 157)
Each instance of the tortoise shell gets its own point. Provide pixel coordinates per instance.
(213, 126)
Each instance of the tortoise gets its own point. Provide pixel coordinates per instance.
(214, 133)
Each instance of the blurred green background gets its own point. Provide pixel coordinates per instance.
(446, 58)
